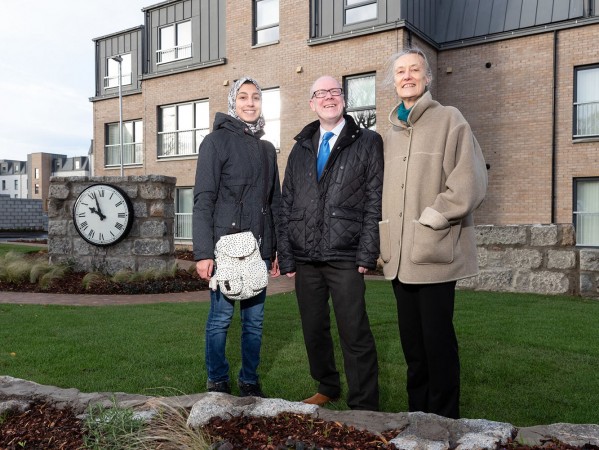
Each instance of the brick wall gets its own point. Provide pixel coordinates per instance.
(509, 104)
(22, 214)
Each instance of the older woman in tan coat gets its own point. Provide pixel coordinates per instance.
(435, 177)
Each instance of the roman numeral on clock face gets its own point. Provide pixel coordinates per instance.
(118, 225)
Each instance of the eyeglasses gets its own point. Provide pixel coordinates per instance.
(321, 93)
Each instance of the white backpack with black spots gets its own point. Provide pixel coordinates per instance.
(240, 271)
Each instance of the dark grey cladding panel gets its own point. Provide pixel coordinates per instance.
(463, 19)
(512, 15)
(498, 16)
(483, 18)
(544, 12)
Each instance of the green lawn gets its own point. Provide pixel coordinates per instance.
(19, 248)
(526, 359)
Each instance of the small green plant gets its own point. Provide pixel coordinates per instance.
(113, 428)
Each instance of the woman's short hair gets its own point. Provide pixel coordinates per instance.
(390, 69)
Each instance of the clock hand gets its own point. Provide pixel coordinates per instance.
(99, 212)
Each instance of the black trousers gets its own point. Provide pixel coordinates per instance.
(313, 284)
(430, 346)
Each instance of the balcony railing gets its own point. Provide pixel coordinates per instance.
(132, 154)
(180, 143)
(110, 82)
(183, 226)
(587, 119)
(173, 54)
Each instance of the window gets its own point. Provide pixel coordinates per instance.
(182, 128)
(16, 184)
(586, 104)
(17, 167)
(271, 109)
(586, 211)
(112, 71)
(132, 144)
(77, 164)
(183, 213)
(37, 174)
(3, 185)
(360, 99)
(36, 189)
(266, 21)
(360, 11)
(175, 42)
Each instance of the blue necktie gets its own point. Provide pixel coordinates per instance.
(323, 152)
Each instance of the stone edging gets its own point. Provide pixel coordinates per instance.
(419, 430)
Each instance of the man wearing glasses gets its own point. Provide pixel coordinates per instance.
(329, 239)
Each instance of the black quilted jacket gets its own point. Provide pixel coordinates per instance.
(229, 188)
(336, 218)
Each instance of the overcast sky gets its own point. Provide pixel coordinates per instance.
(47, 71)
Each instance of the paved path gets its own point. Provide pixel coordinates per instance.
(275, 286)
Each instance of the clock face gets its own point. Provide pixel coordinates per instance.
(103, 214)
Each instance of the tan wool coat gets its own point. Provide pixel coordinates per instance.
(435, 177)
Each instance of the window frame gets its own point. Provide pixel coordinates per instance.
(576, 214)
(133, 149)
(274, 137)
(357, 4)
(353, 110)
(111, 80)
(180, 50)
(183, 220)
(178, 132)
(269, 26)
(576, 105)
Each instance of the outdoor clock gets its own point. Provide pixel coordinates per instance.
(103, 214)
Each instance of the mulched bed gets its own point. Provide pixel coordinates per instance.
(42, 427)
(294, 431)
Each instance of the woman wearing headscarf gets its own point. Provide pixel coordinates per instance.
(235, 168)
(435, 177)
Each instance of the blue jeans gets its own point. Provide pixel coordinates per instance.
(219, 319)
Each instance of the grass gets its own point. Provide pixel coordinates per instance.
(526, 359)
(17, 248)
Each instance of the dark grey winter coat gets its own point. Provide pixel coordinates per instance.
(336, 218)
(228, 194)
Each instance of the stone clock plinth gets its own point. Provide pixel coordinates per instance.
(89, 228)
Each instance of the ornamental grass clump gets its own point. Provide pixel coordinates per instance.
(16, 270)
(168, 430)
(93, 278)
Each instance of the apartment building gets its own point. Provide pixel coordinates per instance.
(13, 178)
(525, 74)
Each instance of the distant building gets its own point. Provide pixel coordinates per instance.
(13, 178)
(525, 74)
